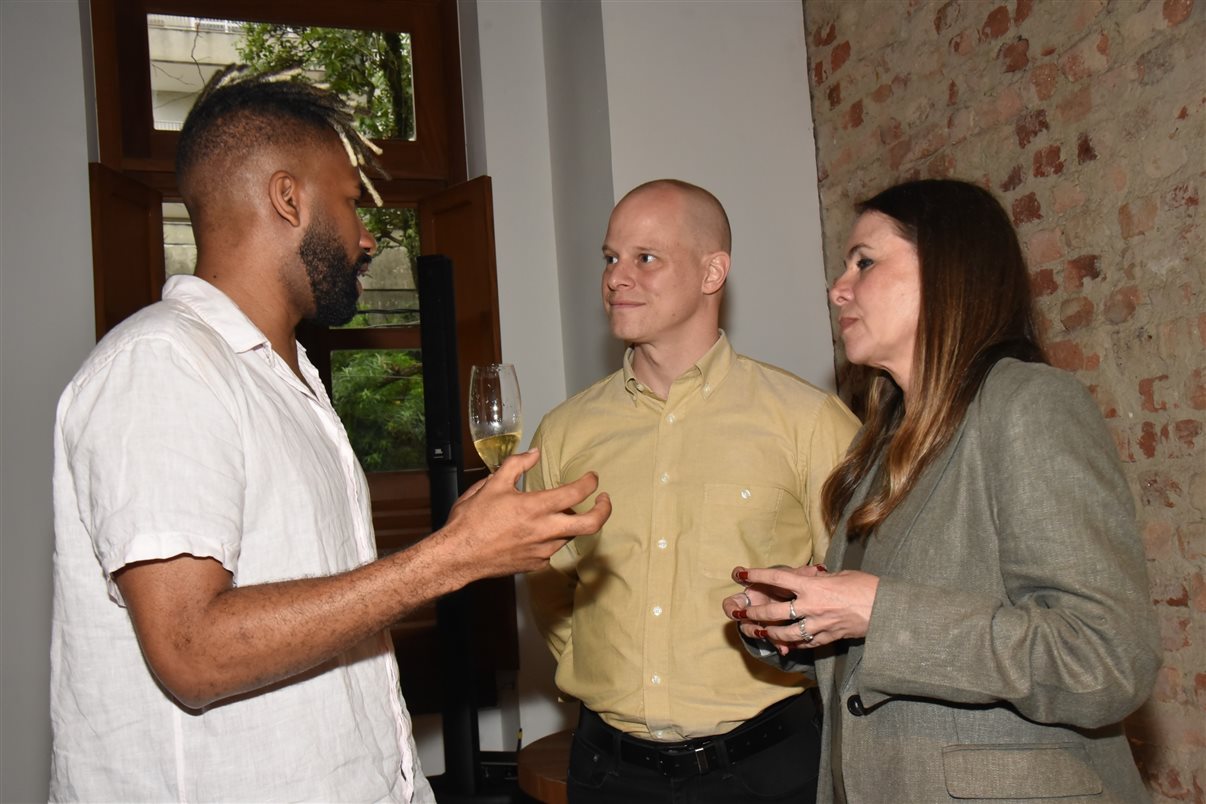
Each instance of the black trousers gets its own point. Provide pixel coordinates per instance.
(602, 770)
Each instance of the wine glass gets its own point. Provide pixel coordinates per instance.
(495, 412)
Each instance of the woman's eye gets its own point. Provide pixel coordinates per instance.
(864, 263)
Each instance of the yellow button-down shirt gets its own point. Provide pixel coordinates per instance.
(726, 471)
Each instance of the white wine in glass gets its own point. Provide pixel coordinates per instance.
(495, 412)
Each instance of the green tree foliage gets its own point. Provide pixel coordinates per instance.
(379, 396)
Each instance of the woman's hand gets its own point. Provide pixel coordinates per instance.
(802, 607)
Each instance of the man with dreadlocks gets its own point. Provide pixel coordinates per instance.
(219, 613)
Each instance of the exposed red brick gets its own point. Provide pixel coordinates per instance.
(839, 56)
(1013, 180)
(1105, 401)
(946, 16)
(1076, 107)
(1077, 270)
(952, 94)
(1068, 195)
(853, 118)
(890, 131)
(824, 35)
(964, 43)
(1066, 355)
(1075, 313)
(1158, 489)
(1022, 10)
(1147, 393)
(1183, 195)
(1177, 11)
(898, 151)
(1148, 440)
(1043, 78)
(1015, 55)
(1026, 209)
(818, 73)
(1084, 149)
(1043, 283)
(996, 25)
(835, 95)
(941, 166)
(1047, 162)
(882, 93)
(1121, 304)
(1029, 125)
(929, 141)
(1202, 328)
(1184, 113)
(1046, 246)
(1088, 58)
(1196, 389)
(1137, 217)
(1187, 431)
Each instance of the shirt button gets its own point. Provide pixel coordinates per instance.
(670, 418)
(662, 544)
(854, 705)
(665, 478)
(657, 611)
(656, 679)
(746, 494)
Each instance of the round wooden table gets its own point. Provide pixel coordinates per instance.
(543, 765)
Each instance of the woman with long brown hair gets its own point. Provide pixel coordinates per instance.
(983, 626)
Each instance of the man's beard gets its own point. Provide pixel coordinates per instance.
(332, 275)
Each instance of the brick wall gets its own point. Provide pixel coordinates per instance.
(1086, 118)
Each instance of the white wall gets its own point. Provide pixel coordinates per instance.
(716, 93)
(712, 92)
(46, 328)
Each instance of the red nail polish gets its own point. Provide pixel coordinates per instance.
(743, 575)
(739, 614)
(760, 633)
(822, 568)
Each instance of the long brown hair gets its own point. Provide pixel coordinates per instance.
(975, 310)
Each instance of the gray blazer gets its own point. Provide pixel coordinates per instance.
(1012, 629)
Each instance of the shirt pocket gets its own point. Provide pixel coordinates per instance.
(1047, 770)
(738, 524)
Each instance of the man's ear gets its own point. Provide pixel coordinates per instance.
(716, 271)
(284, 196)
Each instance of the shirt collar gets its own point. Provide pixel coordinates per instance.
(216, 309)
(711, 368)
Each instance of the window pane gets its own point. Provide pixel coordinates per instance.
(391, 295)
(378, 394)
(179, 247)
(370, 68)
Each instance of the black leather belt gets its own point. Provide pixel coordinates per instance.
(705, 754)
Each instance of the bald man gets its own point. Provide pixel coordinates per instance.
(220, 613)
(711, 459)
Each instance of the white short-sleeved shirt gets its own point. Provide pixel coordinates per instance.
(184, 433)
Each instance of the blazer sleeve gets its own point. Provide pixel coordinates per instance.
(551, 588)
(1075, 641)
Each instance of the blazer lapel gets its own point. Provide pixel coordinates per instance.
(886, 542)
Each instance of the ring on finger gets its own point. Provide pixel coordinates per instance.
(807, 637)
(748, 602)
(791, 609)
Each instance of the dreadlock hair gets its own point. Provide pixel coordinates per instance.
(975, 310)
(239, 110)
